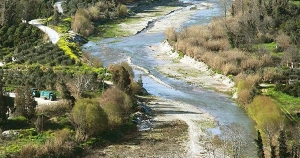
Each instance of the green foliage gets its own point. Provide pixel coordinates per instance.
(121, 78)
(282, 147)
(290, 103)
(264, 110)
(117, 105)
(290, 89)
(25, 103)
(181, 54)
(273, 151)
(45, 54)
(270, 47)
(19, 122)
(67, 48)
(88, 118)
(15, 35)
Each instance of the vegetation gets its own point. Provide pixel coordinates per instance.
(85, 114)
(255, 42)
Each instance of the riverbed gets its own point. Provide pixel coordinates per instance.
(139, 50)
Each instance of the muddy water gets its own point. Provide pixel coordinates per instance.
(135, 48)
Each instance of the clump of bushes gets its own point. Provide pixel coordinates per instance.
(117, 106)
(88, 118)
(290, 89)
(56, 109)
(59, 145)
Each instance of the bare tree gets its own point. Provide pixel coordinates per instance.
(270, 128)
(81, 83)
(233, 139)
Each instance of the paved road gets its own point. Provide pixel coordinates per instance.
(57, 5)
(53, 35)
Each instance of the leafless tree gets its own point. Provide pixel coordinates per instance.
(81, 83)
(233, 140)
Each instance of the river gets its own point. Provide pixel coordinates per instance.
(220, 106)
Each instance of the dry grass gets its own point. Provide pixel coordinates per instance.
(217, 45)
(55, 109)
(60, 145)
(270, 74)
(171, 34)
(230, 68)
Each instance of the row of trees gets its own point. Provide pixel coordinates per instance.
(258, 21)
(280, 148)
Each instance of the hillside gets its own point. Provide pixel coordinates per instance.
(31, 60)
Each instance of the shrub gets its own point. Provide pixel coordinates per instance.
(283, 41)
(263, 109)
(229, 68)
(217, 29)
(29, 150)
(271, 74)
(117, 105)
(82, 24)
(217, 45)
(251, 63)
(122, 9)
(171, 34)
(244, 96)
(88, 118)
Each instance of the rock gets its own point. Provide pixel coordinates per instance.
(9, 133)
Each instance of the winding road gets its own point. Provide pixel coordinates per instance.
(53, 35)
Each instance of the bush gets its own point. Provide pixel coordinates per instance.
(263, 109)
(216, 45)
(117, 105)
(171, 34)
(60, 145)
(82, 24)
(122, 9)
(88, 118)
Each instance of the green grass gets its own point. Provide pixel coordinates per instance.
(111, 29)
(14, 144)
(269, 46)
(296, 3)
(290, 103)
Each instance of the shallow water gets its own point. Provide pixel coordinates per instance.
(223, 108)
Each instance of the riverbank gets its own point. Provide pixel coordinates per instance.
(179, 130)
(152, 17)
(167, 111)
(188, 69)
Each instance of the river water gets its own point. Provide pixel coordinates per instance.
(222, 107)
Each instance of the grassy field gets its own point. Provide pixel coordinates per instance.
(288, 104)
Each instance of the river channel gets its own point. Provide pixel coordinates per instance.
(220, 106)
